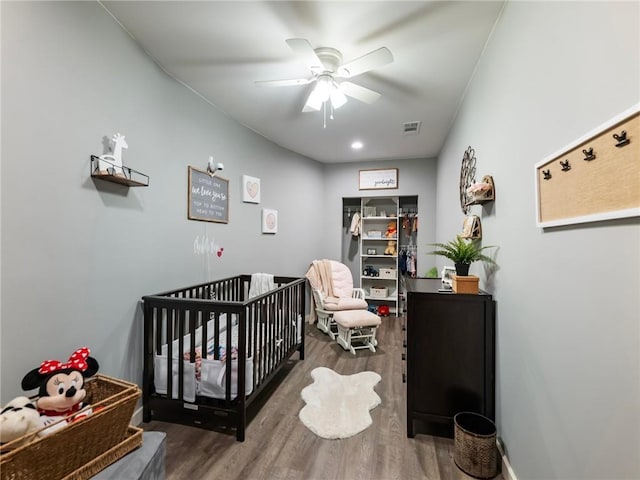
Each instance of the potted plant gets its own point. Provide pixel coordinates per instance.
(463, 253)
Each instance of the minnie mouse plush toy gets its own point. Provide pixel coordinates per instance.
(61, 385)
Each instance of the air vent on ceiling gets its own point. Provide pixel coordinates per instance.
(411, 128)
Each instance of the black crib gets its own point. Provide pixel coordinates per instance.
(217, 325)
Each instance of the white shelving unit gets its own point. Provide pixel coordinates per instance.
(379, 271)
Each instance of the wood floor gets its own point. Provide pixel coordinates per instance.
(279, 446)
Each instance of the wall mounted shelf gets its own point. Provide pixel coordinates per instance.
(128, 176)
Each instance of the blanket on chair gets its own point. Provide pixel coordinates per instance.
(319, 276)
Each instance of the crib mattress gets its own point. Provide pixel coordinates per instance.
(206, 376)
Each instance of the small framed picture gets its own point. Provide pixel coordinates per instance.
(372, 251)
(447, 276)
(269, 221)
(250, 189)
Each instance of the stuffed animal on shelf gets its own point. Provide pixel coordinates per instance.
(61, 388)
(18, 419)
(391, 248)
(392, 230)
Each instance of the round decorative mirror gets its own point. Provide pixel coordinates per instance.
(467, 178)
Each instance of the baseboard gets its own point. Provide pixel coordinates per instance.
(507, 471)
(137, 417)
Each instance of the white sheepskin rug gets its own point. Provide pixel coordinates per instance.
(337, 406)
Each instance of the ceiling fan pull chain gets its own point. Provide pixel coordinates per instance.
(324, 114)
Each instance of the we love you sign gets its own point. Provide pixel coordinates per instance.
(208, 197)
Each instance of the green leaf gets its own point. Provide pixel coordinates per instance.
(461, 250)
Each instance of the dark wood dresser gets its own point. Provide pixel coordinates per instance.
(450, 356)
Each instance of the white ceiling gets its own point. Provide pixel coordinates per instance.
(220, 48)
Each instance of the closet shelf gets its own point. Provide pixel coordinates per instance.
(379, 238)
(128, 177)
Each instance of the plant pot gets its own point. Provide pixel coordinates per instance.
(462, 269)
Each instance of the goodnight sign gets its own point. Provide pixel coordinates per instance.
(208, 197)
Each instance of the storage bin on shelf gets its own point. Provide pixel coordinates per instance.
(379, 292)
(390, 273)
(84, 447)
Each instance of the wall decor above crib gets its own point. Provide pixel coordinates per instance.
(250, 189)
(594, 178)
(269, 220)
(208, 198)
(109, 167)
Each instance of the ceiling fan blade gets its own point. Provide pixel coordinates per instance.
(304, 50)
(284, 83)
(359, 93)
(367, 62)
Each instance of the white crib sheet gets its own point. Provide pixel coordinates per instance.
(207, 379)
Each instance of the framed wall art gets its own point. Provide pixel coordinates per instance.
(250, 189)
(269, 220)
(594, 178)
(208, 197)
(378, 179)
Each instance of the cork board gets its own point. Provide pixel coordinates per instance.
(595, 178)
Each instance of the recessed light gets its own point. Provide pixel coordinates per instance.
(357, 145)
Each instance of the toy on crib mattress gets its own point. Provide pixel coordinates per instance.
(18, 419)
(61, 391)
(391, 230)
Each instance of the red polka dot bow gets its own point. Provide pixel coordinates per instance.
(77, 361)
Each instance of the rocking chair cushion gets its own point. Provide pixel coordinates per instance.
(346, 303)
(356, 318)
(341, 279)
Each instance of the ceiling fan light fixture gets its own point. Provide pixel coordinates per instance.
(314, 102)
(338, 98)
(324, 87)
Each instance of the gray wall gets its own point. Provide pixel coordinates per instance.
(568, 338)
(78, 254)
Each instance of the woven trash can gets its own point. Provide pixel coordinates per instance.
(475, 451)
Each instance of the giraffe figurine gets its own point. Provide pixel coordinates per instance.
(113, 163)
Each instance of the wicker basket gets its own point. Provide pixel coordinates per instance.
(475, 451)
(132, 440)
(62, 454)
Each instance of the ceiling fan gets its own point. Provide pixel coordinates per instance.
(326, 66)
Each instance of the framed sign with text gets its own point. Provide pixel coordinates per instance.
(208, 197)
(378, 179)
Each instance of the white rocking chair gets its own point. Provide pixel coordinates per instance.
(334, 295)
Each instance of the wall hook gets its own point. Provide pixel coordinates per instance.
(565, 165)
(622, 139)
(589, 155)
(547, 174)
